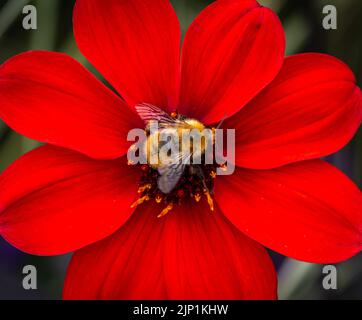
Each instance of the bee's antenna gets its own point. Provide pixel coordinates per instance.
(222, 121)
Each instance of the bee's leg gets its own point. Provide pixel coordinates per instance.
(192, 170)
(201, 176)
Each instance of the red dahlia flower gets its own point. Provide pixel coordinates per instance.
(75, 193)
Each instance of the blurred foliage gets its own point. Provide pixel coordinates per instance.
(302, 20)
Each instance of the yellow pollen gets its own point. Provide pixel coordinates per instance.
(213, 174)
(209, 200)
(197, 197)
(224, 167)
(174, 115)
(158, 198)
(166, 210)
(145, 187)
(140, 200)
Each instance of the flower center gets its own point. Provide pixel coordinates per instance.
(176, 169)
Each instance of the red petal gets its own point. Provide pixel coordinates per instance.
(231, 52)
(207, 258)
(190, 253)
(51, 98)
(313, 108)
(135, 45)
(54, 201)
(309, 211)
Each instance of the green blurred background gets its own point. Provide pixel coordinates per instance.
(302, 21)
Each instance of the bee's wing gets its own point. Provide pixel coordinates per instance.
(149, 112)
(170, 174)
(169, 177)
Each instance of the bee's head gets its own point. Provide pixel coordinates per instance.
(195, 124)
